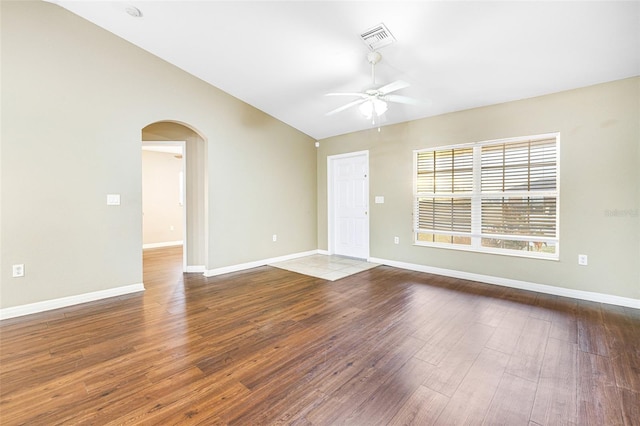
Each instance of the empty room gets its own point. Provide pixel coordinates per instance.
(320, 212)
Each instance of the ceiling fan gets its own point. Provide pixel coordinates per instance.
(373, 102)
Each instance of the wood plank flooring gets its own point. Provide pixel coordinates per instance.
(268, 346)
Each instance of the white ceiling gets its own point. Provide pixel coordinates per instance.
(282, 57)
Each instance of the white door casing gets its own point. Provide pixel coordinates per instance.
(348, 191)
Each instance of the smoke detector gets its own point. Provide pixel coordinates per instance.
(377, 37)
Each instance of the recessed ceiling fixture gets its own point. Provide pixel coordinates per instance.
(377, 37)
(133, 11)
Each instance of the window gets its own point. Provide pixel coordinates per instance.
(495, 196)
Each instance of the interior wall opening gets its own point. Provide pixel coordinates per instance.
(163, 195)
(193, 152)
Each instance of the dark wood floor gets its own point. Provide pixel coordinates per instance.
(268, 346)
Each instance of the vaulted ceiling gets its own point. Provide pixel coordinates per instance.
(283, 57)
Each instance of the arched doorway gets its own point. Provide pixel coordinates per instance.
(195, 193)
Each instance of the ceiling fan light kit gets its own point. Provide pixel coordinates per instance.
(373, 105)
(373, 102)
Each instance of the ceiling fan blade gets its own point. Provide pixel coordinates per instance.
(362, 95)
(346, 106)
(392, 87)
(405, 100)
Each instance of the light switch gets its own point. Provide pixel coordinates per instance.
(113, 199)
(379, 199)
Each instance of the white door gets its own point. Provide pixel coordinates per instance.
(349, 204)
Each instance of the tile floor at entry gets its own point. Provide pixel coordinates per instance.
(330, 268)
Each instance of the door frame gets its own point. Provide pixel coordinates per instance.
(331, 210)
(182, 147)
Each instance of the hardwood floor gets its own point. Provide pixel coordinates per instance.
(268, 346)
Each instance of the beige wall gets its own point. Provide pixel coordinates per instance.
(75, 99)
(599, 174)
(162, 212)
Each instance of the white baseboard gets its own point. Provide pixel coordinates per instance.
(255, 264)
(47, 305)
(195, 268)
(165, 244)
(325, 252)
(522, 285)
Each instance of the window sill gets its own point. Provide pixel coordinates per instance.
(512, 253)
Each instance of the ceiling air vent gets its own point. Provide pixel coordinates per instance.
(377, 37)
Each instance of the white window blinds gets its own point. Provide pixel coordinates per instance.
(497, 196)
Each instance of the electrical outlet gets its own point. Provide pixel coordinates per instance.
(582, 260)
(396, 240)
(18, 270)
(274, 238)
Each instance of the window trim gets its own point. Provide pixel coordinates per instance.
(477, 196)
